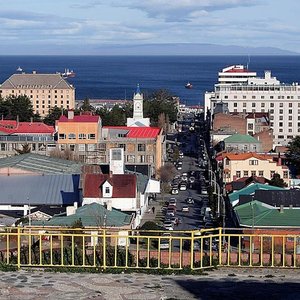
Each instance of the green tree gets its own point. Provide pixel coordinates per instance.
(53, 115)
(86, 106)
(17, 106)
(114, 117)
(277, 181)
(160, 102)
(293, 153)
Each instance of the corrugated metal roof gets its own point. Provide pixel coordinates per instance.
(39, 189)
(258, 214)
(80, 119)
(14, 127)
(241, 138)
(137, 132)
(93, 215)
(41, 164)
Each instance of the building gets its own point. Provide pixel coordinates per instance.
(249, 191)
(14, 135)
(91, 143)
(244, 92)
(138, 119)
(242, 143)
(237, 165)
(36, 164)
(44, 90)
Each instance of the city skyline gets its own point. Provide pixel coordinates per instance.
(73, 27)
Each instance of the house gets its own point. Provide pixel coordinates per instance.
(250, 191)
(237, 165)
(45, 91)
(91, 142)
(36, 164)
(242, 143)
(14, 135)
(243, 182)
(25, 192)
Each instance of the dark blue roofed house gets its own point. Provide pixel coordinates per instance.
(39, 185)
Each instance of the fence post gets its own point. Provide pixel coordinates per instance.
(19, 247)
(192, 251)
(104, 249)
(220, 246)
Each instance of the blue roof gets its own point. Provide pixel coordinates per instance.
(39, 189)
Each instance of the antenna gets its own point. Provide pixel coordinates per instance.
(248, 63)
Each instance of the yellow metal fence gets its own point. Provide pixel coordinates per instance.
(109, 248)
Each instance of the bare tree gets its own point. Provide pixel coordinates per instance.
(166, 174)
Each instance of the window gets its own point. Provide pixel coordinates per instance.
(253, 104)
(272, 104)
(280, 124)
(246, 173)
(244, 97)
(72, 136)
(3, 148)
(285, 174)
(281, 111)
(122, 146)
(253, 97)
(141, 147)
(116, 154)
(238, 174)
(272, 174)
(253, 173)
(107, 190)
(91, 136)
(82, 136)
(250, 126)
(263, 104)
(244, 104)
(131, 158)
(280, 104)
(290, 104)
(234, 104)
(280, 118)
(81, 147)
(72, 147)
(253, 162)
(62, 136)
(290, 118)
(261, 173)
(290, 124)
(142, 158)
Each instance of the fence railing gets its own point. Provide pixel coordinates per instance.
(132, 249)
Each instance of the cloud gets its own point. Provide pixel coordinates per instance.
(180, 10)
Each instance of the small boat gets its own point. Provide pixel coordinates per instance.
(68, 73)
(19, 69)
(188, 85)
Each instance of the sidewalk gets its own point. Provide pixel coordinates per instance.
(225, 283)
(150, 216)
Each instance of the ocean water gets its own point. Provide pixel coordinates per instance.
(116, 77)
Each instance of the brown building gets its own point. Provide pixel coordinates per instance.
(44, 90)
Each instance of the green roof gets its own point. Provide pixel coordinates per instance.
(41, 164)
(241, 138)
(258, 214)
(92, 215)
(250, 189)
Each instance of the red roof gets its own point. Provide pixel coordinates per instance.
(80, 119)
(13, 127)
(124, 185)
(138, 132)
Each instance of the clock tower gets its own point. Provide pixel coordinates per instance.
(138, 119)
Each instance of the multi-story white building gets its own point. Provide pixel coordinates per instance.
(244, 92)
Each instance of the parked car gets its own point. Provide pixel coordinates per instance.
(182, 187)
(204, 192)
(172, 201)
(174, 191)
(190, 200)
(168, 225)
(185, 208)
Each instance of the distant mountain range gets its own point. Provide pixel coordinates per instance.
(188, 49)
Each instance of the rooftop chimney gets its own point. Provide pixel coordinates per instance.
(281, 209)
(109, 205)
(70, 114)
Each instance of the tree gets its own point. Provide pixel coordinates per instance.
(293, 153)
(25, 149)
(54, 114)
(166, 174)
(160, 102)
(277, 181)
(86, 106)
(114, 117)
(13, 107)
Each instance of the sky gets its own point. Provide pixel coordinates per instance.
(81, 26)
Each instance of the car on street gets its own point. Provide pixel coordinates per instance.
(168, 225)
(190, 200)
(185, 208)
(174, 191)
(182, 187)
(172, 202)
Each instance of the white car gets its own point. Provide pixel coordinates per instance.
(182, 187)
(174, 191)
(185, 208)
